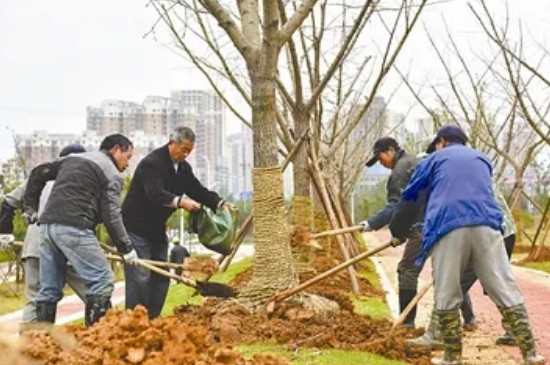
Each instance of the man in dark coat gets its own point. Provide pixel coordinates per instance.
(157, 189)
(178, 254)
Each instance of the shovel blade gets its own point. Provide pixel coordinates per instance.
(208, 289)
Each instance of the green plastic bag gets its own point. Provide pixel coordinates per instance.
(216, 230)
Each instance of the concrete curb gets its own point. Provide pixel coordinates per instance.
(391, 296)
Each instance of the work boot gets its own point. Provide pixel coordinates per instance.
(470, 326)
(45, 316)
(96, 307)
(452, 338)
(517, 320)
(507, 339)
(405, 297)
(432, 338)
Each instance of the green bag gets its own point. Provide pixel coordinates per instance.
(216, 230)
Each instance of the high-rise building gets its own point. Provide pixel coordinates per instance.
(115, 116)
(202, 111)
(240, 163)
(41, 146)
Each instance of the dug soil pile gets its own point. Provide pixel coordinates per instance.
(294, 326)
(123, 338)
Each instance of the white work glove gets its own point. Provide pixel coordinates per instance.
(365, 226)
(6, 240)
(396, 242)
(131, 258)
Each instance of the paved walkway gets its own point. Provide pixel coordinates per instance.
(479, 347)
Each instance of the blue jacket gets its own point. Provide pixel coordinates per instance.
(460, 193)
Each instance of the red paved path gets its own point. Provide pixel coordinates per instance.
(536, 291)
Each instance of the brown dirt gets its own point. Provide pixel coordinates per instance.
(199, 267)
(292, 325)
(122, 338)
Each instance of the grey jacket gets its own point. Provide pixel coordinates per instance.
(86, 192)
(404, 165)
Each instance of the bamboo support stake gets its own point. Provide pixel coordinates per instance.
(323, 192)
(346, 264)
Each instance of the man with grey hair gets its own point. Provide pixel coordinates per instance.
(159, 183)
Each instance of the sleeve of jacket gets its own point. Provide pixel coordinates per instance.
(12, 201)
(196, 191)
(112, 216)
(407, 209)
(397, 182)
(153, 185)
(39, 176)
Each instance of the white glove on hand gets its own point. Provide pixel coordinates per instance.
(396, 242)
(6, 240)
(365, 226)
(131, 258)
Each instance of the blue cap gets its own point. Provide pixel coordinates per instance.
(72, 148)
(450, 133)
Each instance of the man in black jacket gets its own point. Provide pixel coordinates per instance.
(86, 192)
(157, 189)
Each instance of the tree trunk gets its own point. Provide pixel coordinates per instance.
(273, 267)
(515, 205)
(301, 204)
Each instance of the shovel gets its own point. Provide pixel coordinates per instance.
(290, 292)
(206, 289)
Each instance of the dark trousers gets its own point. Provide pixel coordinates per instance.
(142, 286)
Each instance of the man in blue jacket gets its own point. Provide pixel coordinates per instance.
(462, 225)
(402, 165)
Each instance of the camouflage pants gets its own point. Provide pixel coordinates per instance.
(483, 247)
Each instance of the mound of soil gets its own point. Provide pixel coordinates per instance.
(294, 326)
(129, 337)
(199, 267)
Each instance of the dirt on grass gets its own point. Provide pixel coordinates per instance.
(129, 337)
(294, 326)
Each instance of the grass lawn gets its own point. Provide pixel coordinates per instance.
(318, 357)
(542, 266)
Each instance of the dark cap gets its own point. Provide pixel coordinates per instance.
(72, 148)
(382, 145)
(451, 133)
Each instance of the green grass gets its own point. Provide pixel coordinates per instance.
(374, 307)
(11, 302)
(179, 294)
(6, 255)
(542, 266)
(317, 357)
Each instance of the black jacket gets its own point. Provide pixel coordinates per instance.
(154, 186)
(404, 165)
(86, 192)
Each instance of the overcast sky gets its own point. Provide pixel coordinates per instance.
(59, 56)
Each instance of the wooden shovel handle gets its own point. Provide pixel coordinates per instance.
(336, 231)
(162, 272)
(287, 293)
(170, 265)
(411, 305)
